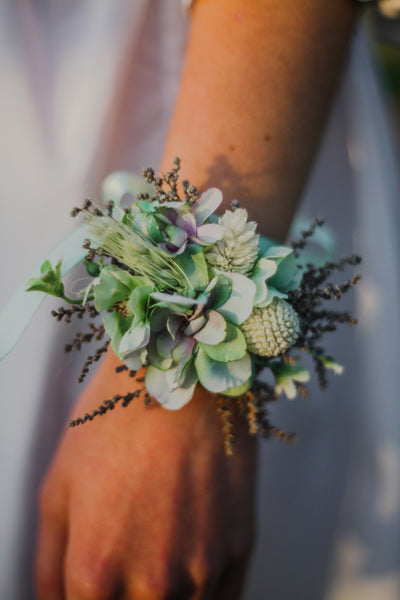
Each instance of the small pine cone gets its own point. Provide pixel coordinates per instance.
(237, 251)
(271, 330)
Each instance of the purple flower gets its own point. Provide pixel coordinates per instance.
(186, 223)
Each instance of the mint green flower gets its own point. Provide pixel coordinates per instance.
(286, 377)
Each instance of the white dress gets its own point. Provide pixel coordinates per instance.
(88, 87)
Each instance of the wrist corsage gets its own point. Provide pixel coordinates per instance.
(197, 299)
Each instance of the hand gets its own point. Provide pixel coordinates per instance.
(142, 503)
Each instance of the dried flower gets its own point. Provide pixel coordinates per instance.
(271, 330)
(237, 251)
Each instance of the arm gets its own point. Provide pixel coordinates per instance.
(256, 90)
(143, 501)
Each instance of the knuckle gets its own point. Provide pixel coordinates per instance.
(84, 588)
(94, 583)
(203, 568)
(153, 586)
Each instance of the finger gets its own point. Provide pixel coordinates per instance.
(92, 572)
(161, 583)
(49, 561)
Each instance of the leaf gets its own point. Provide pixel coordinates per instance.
(136, 337)
(116, 326)
(288, 275)
(206, 204)
(210, 233)
(158, 386)
(240, 304)
(160, 362)
(214, 331)
(263, 270)
(158, 317)
(46, 266)
(219, 376)
(174, 299)
(194, 265)
(239, 390)
(173, 324)
(165, 344)
(183, 350)
(138, 302)
(195, 325)
(115, 285)
(50, 281)
(286, 375)
(220, 289)
(135, 360)
(233, 347)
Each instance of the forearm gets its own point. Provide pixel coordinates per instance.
(256, 89)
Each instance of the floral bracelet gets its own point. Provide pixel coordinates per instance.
(194, 298)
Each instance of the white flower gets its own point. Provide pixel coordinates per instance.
(237, 251)
(271, 330)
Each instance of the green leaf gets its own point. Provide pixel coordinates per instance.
(49, 282)
(219, 376)
(214, 330)
(93, 268)
(263, 270)
(116, 326)
(165, 344)
(136, 337)
(138, 302)
(286, 376)
(158, 384)
(46, 266)
(154, 357)
(239, 390)
(219, 289)
(115, 285)
(240, 304)
(288, 275)
(233, 347)
(194, 265)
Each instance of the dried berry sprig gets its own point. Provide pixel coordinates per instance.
(92, 358)
(166, 186)
(78, 310)
(225, 413)
(96, 333)
(106, 406)
(305, 235)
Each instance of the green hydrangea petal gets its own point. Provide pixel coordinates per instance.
(233, 347)
(214, 331)
(165, 343)
(239, 390)
(115, 285)
(136, 337)
(158, 386)
(116, 326)
(194, 265)
(219, 376)
(138, 302)
(154, 358)
(263, 270)
(240, 304)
